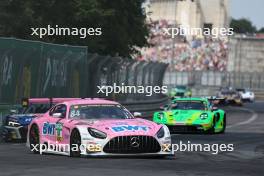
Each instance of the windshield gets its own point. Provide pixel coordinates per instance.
(181, 87)
(189, 105)
(99, 112)
(36, 108)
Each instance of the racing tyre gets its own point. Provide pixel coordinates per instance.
(212, 129)
(75, 141)
(224, 124)
(5, 136)
(34, 139)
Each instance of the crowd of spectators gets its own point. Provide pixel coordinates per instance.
(198, 53)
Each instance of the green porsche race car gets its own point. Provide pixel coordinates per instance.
(190, 115)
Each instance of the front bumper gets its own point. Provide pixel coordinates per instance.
(121, 146)
(10, 133)
(103, 154)
(248, 98)
(174, 129)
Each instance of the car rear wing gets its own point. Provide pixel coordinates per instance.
(215, 100)
(212, 98)
(26, 101)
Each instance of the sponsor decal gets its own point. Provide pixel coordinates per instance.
(53, 129)
(124, 128)
(59, 127)
(48, 129)
(28, 119)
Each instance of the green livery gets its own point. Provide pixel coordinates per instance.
(192, 115)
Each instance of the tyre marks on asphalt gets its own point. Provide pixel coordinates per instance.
(252, 118)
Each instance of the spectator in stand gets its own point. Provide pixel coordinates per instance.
(196, 55)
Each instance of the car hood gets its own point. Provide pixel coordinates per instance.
(122, 127)
(183, 116)
(23, 119)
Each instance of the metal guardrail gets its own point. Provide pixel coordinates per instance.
(4, 109)
(148, 107)
(252, 80)
(37, 69)
(1, 119)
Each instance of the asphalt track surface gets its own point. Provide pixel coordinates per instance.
(245, 130)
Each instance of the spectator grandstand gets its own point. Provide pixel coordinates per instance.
(198, 54)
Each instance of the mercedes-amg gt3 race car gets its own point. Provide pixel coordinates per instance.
(96, 127)
(190, 115)
(16, 125)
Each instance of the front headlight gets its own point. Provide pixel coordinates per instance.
(96, 133)
(12, 122)
(204, 116)
(161, 133)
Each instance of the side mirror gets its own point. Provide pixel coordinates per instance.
(57, 115)
(137, 114)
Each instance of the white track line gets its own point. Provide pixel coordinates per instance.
(251, 119)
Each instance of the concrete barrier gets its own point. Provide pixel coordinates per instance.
(1, 119)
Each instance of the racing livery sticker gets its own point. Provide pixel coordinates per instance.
(129, 128)
(53, 129)
(48, 128)
(59, 127)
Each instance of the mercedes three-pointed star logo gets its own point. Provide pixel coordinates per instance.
(134, 142)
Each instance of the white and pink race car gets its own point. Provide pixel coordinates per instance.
(96, 127)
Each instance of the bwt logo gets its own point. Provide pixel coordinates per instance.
(129, 128)
(48, 129)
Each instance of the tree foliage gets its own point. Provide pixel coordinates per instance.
(122, 22)
(242, 26)
(261, 30)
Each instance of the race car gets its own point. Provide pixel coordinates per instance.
(96, 127)
(180, 91)
(230, 97)
(191, 115)
(246, 95)
(16, 125)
